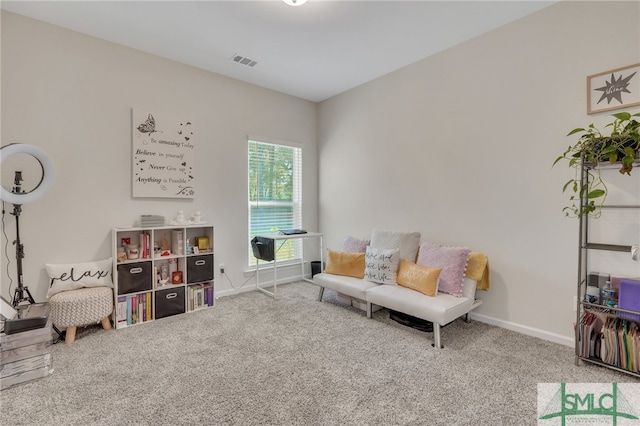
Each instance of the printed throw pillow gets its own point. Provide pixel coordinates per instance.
(73, 276)
(381, 265)
(407, 243)
(342, 263)
(452, 260)
(355, 245)
(419, 278)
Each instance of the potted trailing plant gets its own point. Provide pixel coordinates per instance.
(594, 148)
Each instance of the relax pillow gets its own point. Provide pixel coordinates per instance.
(73, 276)
(343, 263)
(381, 265)
(355, 245)
(452, 260)
(407, 243)
(419, 278)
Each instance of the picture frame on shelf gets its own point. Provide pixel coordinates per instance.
(613, 89)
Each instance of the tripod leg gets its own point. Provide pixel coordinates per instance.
(29, 296)
(19, 296)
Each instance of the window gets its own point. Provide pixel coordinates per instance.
(275, 195)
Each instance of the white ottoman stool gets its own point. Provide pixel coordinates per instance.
(77, 308)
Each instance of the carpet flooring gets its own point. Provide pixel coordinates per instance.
(253, 360)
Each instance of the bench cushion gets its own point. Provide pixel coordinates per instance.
(443, 308)
(354, 287)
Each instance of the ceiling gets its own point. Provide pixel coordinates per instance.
(313, 51)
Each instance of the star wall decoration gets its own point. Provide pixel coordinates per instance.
(613, 89)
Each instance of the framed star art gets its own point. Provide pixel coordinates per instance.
(613, 89)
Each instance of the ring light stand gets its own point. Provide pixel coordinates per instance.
(19, 294)
(18, 197)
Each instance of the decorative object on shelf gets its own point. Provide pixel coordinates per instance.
(196, 218)
(177, 242)
(620, 88)
(18, 196)
(164, 245)
(173, 265)
(202, 243)
(163, 155)
(164, 273)
(594, 148)
(176, 277)
(179, 219)
(122, 254)
(132, 251)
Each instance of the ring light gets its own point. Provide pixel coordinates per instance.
(48, 173)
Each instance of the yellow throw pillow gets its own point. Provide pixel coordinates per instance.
(420, 278)
(343, 263)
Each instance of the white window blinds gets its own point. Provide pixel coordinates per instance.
(275, 194)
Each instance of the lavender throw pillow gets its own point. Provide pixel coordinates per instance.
(452, 260)
(355, 245)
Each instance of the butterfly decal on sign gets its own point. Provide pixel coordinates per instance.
(149, 126)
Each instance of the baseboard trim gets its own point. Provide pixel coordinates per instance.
(523, 329)
(252, 287)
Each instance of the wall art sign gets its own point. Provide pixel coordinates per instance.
(614, 89)
(163, 155)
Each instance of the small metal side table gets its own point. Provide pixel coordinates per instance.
(283, 237)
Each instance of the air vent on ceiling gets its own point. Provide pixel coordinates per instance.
(243, 61)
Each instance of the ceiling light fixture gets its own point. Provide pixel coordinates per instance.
(295, 2)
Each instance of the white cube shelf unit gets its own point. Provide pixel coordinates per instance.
(161, 271)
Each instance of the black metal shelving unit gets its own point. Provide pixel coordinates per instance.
(585, 246)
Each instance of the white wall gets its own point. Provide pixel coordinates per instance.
(459, 146)
(72, 95)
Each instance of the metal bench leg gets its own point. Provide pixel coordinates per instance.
(320, 294)
(369, 310)
(436, 336)
(467, 318)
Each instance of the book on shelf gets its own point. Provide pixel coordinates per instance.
(121, 311)
(133, 309)
(149, 311)
(200, 296)
(145, 245)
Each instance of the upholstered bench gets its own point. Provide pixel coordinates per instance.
(78, 308)
(394, 270)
